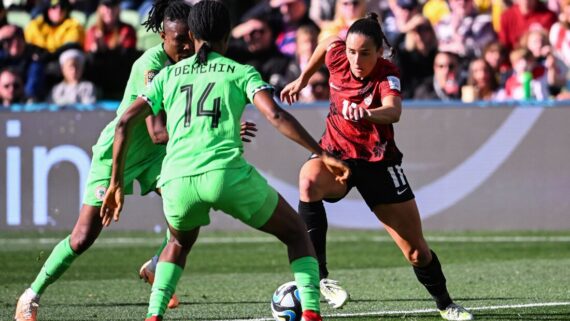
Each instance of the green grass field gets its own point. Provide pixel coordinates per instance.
(231, 275)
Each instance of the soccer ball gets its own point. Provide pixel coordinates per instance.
(286, 303)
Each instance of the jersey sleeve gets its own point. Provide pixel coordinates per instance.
(389, 84)
(144, 75)
(153, 93)
(253, 83)
(335, 56)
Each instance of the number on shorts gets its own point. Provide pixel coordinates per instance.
(397, 176)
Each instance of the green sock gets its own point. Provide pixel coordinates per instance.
(56, 264)
(165, 280)
(164, 242)
(306, 271)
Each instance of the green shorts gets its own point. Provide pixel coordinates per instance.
(146, 174)
(240, 192)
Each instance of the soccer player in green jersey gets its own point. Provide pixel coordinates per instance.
(169, 18)
(204, 97)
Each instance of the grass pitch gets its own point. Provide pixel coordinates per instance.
(231, 275)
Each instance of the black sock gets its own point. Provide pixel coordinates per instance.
(431, 276)
(315, 217)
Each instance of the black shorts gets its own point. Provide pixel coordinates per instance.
(378, 183)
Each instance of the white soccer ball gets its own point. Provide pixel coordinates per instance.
(286, 303)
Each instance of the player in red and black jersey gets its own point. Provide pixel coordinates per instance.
(364, 103)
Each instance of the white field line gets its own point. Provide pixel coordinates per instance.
(131, 241)
(422, 311)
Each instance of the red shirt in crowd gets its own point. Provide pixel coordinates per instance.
(363, 139)
(514, 24)
(127, 37)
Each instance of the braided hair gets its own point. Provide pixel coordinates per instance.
(172, 10)
(369, 26)
(209, 21)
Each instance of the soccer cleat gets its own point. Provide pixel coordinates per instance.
(310, 315)
(456, 313)
(27, 307)
(335, 295)
(154, 318)
(146, 273)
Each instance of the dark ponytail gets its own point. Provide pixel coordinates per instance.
(370, 27)
(172, 10)
(209, 21)
(202, 53)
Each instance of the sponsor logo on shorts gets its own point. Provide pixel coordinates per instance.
(400, 192)
(100, 192)
(394, 83)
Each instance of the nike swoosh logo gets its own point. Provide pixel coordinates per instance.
(402, 191)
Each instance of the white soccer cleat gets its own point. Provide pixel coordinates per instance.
(27, 307)
(456, 312)
(335, 295)
(146, 273)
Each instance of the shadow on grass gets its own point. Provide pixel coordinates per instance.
(493, 299)
(523, 316)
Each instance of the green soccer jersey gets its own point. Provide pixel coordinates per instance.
(204, 105)
(141, 147)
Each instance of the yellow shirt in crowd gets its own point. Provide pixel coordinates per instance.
(42, 34)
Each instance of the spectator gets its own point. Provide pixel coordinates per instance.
(523, 16)
(294, 13)
(72, 90)
(346, 12)
(257, 48)
(464, 31)
(481, 83)
(402, 17)
(55, 28)
(307, 38)
(435, 10)
(14, 52)
(322, 10)
(10, 88)
(523, 62)
(495, 55)
(560, 38)
(444, 85)
(317, 88)
(416, 58)
(536, 41)
(109, 33)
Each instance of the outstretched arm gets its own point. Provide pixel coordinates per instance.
(288, 125)
(113, 201)
(290, 93)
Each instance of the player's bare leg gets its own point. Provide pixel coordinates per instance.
(403, 223)
(315, 184)
(289, 228)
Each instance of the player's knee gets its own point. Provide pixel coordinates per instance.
(308, 189)
(80, 241)
(419, 257)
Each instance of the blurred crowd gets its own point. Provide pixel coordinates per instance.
(80, 51)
